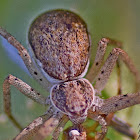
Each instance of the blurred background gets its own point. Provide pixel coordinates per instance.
(119, 20)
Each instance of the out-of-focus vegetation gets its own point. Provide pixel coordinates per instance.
(116, 19)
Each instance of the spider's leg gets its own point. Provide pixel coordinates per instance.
(110, 116)
(102, 122)
(30, 64)
(51, 125)
(102, 46)
(32, 128)
(47, 121)
(60, 127)
(109, 65)
(119, 90)
(23, 88)
(116, 123)
(119, 102)
(122, 127)
(90, 129)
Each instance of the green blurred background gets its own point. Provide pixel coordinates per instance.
(105, 18)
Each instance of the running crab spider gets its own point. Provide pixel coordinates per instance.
(59, 47)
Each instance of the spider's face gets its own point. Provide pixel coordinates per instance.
(73, 98)
(60, 43)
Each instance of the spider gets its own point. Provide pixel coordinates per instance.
(59, 46)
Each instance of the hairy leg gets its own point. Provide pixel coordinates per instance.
(122, 127)
(30, 64)
(60, 127)
(119, 90)
(50, 126)
(40, 127)
(95, 69)
(110, 116)
(102, 122)
(116, 123)
(102, 46)
(119, 102)
(107, 68)
(23, 88)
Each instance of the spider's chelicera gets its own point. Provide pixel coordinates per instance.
(59, 45)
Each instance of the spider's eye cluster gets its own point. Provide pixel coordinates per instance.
(73, 98)
(60, 41)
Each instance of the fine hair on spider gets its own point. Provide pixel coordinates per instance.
(59, 46)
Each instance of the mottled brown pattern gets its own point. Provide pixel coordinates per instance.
(60, 41)
(74, 97)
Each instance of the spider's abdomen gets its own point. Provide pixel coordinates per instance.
(73, 98)
(60, 41)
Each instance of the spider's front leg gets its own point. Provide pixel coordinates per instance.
(41, 127)
(104, 73)
(102, 46)
(107, 68)
(23, 88)
(101, 76)
(28, 61)
(119, 102)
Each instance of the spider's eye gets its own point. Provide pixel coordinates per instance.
(60, 41)
(73, 98)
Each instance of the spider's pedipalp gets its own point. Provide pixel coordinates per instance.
(97, 117)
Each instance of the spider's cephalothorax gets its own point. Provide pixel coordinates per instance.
(73, 98)
(60, 42)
